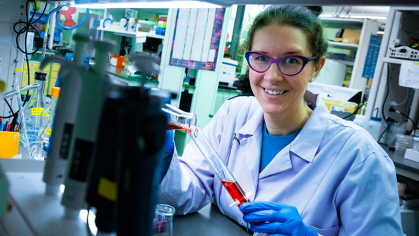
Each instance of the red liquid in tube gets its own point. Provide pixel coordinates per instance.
(235, 191)
(173, 126)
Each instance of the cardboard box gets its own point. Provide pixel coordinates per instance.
(350, 40)
(351, 36)
(338, 39)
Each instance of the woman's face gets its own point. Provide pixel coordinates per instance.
(279, 41)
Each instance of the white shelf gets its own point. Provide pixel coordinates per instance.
(132, 34)
(343, 45)
(396, 60)
(343, 23)
(348, 63)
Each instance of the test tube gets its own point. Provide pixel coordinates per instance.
(187, 121)
(179, 119)
(220, 169)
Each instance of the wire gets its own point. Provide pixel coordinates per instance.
(27, 25)
(25, 30)
(353, 113)
(73, 27)
(414, 124)
(10, 107)
(384, 103)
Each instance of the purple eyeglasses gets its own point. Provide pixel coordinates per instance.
(289, 65)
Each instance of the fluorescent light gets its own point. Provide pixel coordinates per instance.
(380, 32)
(353, 16)
(154, 4)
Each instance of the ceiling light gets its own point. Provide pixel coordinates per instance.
(151, 4)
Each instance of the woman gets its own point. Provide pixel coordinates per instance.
(311, 172)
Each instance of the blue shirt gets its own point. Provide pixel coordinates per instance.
(272, 145)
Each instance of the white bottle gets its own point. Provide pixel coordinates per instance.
(123, 24)
(374, 127)
(131, 23)
(360, 120)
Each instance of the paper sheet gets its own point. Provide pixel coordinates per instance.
(409, 74)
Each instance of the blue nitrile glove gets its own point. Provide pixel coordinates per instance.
(280, 219)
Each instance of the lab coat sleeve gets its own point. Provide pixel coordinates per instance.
(367, 198)
(188, 184)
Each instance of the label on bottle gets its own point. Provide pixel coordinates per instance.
(48, 132)
(37, 111)
(65, 141)
(82, 155)
(45, 114)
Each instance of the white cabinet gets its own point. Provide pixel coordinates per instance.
(402, 25)
(368, 27)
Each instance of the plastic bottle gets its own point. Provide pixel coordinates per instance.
(123, 24)
(374, 126)
(33, 111)
(47, 117)
(131, 23)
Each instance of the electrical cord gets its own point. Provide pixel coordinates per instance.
(25, 30)
(353, 113)
(10, 107)
(384, 103)
(414, 124)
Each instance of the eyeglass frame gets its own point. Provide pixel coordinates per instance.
(276, 61)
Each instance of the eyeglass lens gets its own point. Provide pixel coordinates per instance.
(288, 65)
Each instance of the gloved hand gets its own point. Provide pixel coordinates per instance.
(169, 146)
(275, 219)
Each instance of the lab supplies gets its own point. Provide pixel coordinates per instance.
(123, 24)
(47, 117)
(9, 144)
(131, 23)
(403, 142)
(374, 127)
(163, 220)
(32, 113)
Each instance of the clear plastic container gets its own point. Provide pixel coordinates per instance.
(47, 116)
(163, 220)
(415, 145)
(401, 188)
(403, 142)
(33, 110)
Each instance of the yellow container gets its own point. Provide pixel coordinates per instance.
(348, 106)
(9, 144)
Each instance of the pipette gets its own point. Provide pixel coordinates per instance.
(187, 121)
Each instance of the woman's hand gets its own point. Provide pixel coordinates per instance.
(275, 218)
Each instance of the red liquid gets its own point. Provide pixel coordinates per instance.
(172, 126)
(235, 191)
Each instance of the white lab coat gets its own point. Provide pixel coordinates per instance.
(340, 180)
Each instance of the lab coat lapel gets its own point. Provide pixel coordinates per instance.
(280, 163)
(250, 138)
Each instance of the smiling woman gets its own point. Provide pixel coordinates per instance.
(312, 173)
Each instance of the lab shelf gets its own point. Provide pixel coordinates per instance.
(403, 166)
(396, 60)
(132, 34)
(348, 63)
(343, 45)
(343, 23)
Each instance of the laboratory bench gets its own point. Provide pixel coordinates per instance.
(404, 167)
(34, 213)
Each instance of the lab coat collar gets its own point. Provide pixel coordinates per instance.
(252, 126)
(306, 144)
